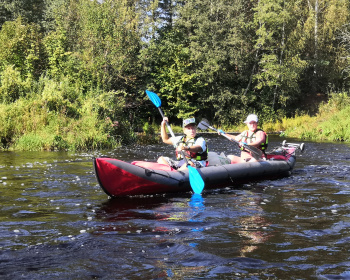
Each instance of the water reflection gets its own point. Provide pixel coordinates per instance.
(170, 228)
(254, 232)
(196, 204)
(196, 208)
(129, 208)
(158, 208)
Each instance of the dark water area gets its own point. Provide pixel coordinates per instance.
(57, 223)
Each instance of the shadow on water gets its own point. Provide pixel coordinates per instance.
(56, 222)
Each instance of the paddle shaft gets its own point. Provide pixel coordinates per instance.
(173, 136)
(251, 149)
(213, 128)
(196, 180)
(167, 125)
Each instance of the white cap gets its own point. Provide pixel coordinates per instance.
(186, 122)
(251, 118)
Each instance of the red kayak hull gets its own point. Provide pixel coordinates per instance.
(118, 178)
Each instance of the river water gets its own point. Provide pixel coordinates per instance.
(57, 223)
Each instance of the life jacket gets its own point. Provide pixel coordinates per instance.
(249, 139)
(190, 142)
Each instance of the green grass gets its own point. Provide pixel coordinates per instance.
(34, 124)
(31, 125)
(330, 124)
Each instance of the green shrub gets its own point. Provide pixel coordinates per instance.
(12, 86)
(21, 48)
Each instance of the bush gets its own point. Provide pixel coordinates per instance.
(12, 86)
(45, 122)
(21, 48)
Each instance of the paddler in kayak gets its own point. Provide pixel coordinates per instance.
(194, 146)
(253, 136)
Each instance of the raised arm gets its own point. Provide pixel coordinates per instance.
(163, 133)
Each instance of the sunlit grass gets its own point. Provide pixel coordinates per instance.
(331, 123)
(30, 124)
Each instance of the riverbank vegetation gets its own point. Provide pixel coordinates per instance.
(73, 72)
(331, 123)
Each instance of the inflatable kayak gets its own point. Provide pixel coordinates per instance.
(119, 178)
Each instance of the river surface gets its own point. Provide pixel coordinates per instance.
(57, 223)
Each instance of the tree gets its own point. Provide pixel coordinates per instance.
(215, 32)
(323, 20)
(103, 40)
(22, 48)
(172, 75)
(279, 62)
(345, 42)
(32, 11)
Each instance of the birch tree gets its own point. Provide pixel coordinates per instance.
(324, 20)
(280, 64)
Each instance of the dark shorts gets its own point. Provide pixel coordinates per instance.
(176, 164)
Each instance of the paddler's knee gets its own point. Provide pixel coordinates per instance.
(161, 160)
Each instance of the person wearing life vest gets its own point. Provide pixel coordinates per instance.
(193, 146)
(253, 136)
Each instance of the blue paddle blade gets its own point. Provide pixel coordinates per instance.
(196, 181)
(154, 98)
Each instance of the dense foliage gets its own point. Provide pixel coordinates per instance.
(73, 72)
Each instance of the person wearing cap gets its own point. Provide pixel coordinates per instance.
(253, 136)
(193, 146)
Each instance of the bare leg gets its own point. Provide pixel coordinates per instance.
(183, 167)
(234, 159)
(245, 157)
(161, 160)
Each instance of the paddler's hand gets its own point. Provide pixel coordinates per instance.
(165, 120)
(179, 147)
(242, 144)
(220, 131)
(182, 147)
(191, 163)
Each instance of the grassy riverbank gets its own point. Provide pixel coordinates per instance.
(59, 117)
(330, 124)
(33, 125)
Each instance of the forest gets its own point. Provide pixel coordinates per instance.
(73, 73)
